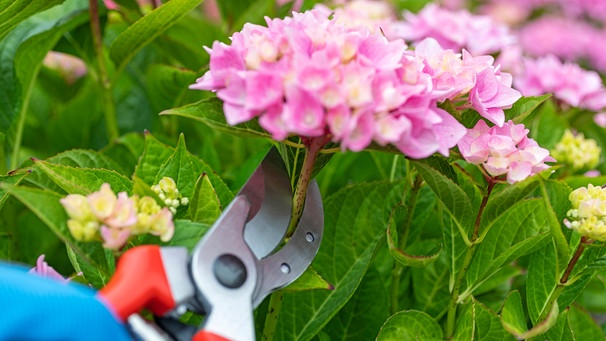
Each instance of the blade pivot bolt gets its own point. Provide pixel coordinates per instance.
(230, 271)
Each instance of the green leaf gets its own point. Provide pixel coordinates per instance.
(488, 324)
(231, 9)
(560, 331)
(204, 206)
(583, 181)
(90, 257)
(524, 107)
(8, 181)
(77, 158)
(499, 202)
(431, 284)
(167, 85)
(512, 314)
(22, 51)
(453, 198)
(583, 326)
(555, 197)
(355, 221)
(83, 180)
(548, 126)
(410, 325)
(403, 257)
(159, 160)
(309, 280)
(371, 298)
(13, 12)
(155, 153)
(254, 13)
(126, 151)
(210, 111)
(541, 282)
(517, 232)
(514, 320)
(466, 323)
(147, 29)
(187, 234)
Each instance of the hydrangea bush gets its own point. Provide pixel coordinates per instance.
(459, 155)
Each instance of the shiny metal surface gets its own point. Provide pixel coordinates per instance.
(242, 240)
(229, 310)
(286, 265)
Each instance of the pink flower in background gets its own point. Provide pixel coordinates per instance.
(545, 35)
(70, 67)
(504, 151)
(44, 270)
(455, 30)
(567, 81)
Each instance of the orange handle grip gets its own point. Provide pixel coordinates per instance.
(208, 336)
(139, 282)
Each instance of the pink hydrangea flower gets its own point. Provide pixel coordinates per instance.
(456, 30)
(567, 81)
(310, 75)
(504, 151)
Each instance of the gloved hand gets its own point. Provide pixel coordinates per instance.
(42, 309)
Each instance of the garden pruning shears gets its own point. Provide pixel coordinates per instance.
(235, 265)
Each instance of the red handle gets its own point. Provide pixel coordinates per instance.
(208, 336)
(139, 282)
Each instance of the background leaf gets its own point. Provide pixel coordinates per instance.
(13, 12)
(355, 221)
(148, 28)
(210, 111)
(410, 325)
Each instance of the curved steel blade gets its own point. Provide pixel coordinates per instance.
(269, 192)
(286, 265)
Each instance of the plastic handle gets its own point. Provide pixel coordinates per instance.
(208, 336)
(139, 282)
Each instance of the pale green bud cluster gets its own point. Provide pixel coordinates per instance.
(588, 213)
(112, 218)
(577, 151)
(169, 193)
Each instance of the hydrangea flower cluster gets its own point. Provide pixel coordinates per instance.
(577, 151)
(169, 193)
(311, 75)
(567, 81)
(456, 30)
(114, 218)
(505, 150)
(588, 213)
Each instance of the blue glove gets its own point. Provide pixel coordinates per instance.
(42, 309)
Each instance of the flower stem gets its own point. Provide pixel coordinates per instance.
(398, 268)
(109, 108)
(454, 295)
(312, 149)
(271, 320)
(313, 146)
(561, 285)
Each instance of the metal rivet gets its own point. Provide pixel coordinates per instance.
(309, 237)
(285, 268)
(230, 271)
